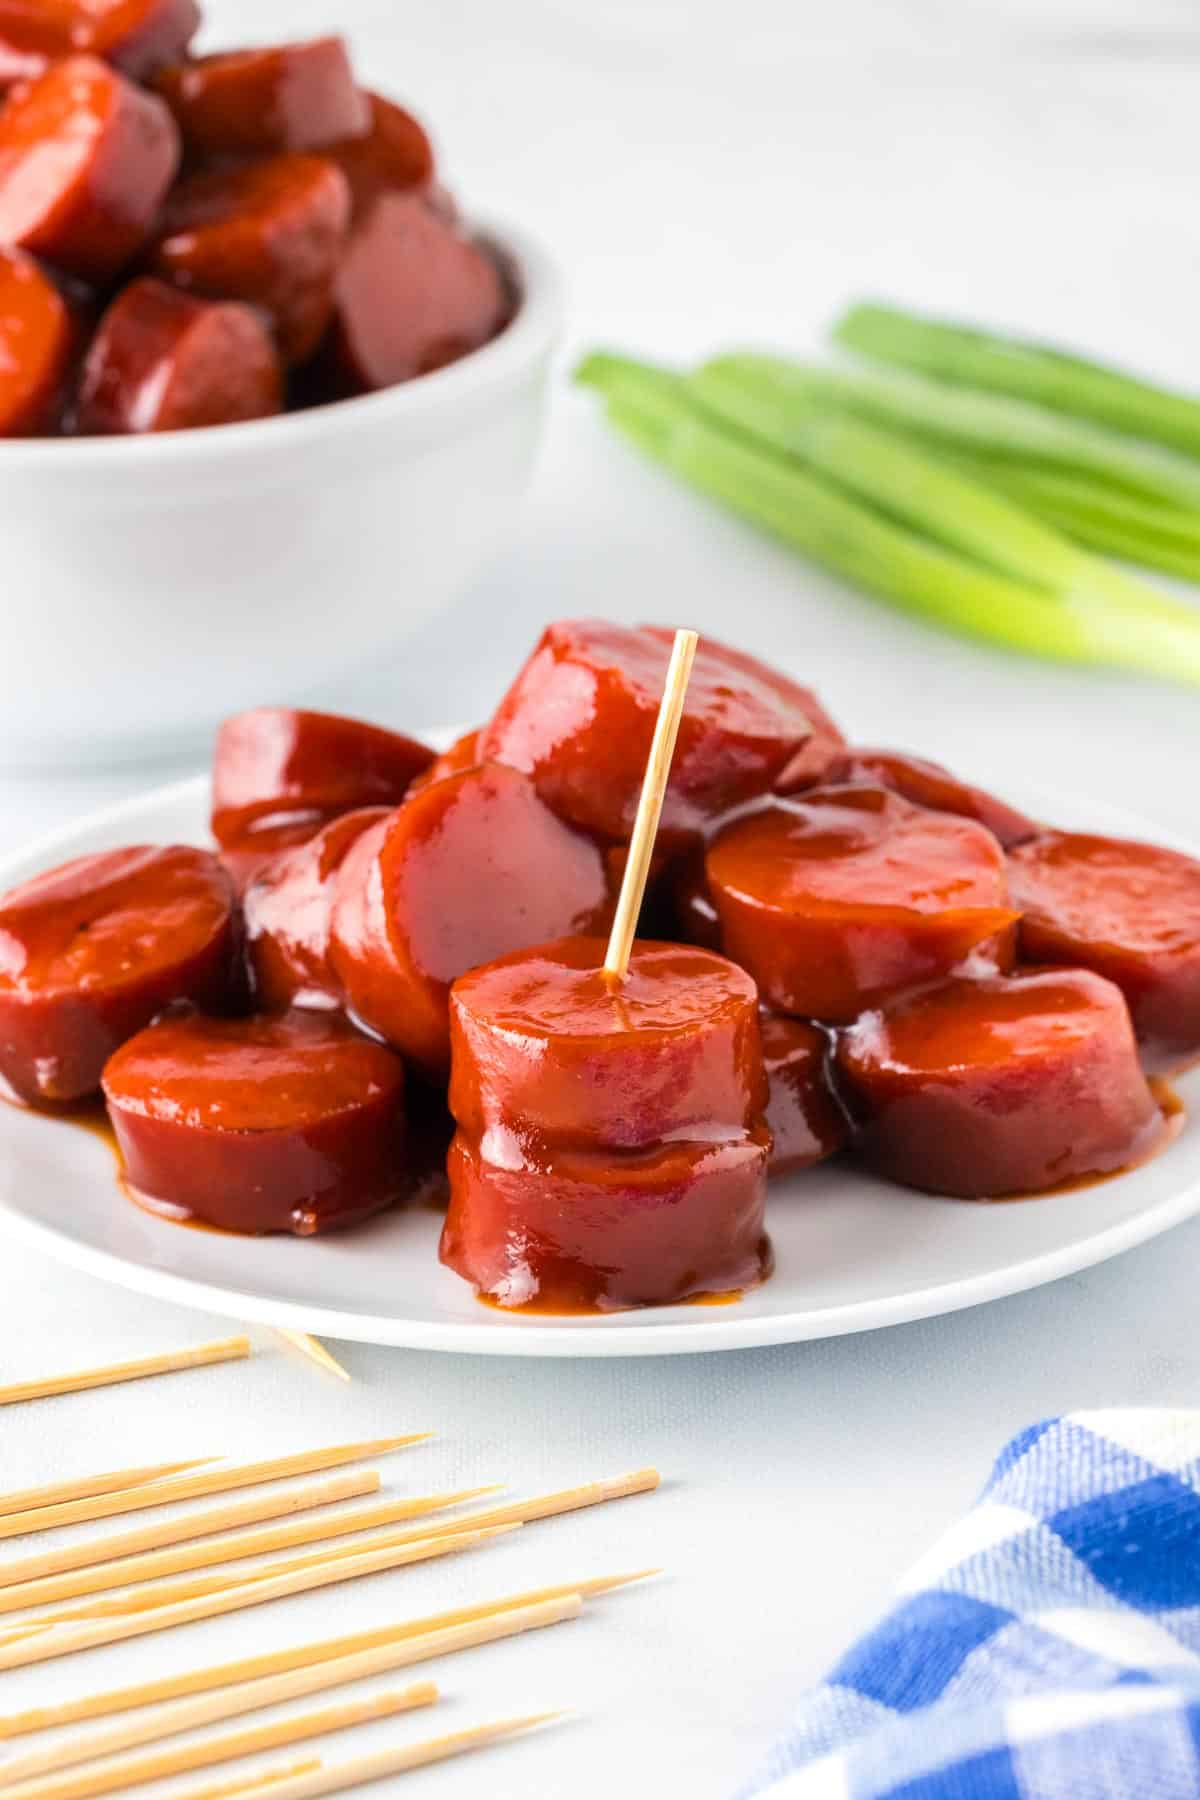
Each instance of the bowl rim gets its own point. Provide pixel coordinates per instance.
(533, 330)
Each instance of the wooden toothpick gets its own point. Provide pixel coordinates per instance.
(227, 1350)
(314, 1349)
(650, 805)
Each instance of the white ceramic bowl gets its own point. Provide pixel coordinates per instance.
(150, 585)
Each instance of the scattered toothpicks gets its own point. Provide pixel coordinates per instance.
(398, 1761)
(650, 805)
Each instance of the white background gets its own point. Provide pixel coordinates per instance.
(710, 174)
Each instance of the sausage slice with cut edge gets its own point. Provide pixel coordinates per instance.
(86, 159)
(253, 102)
(134, 35)
(839, 899)
(288, 908)
(393, 156)
(279, 765)
(36, 343)
(1130, 911)
(270, 233)
(163, 361)
(467, 870)
(999, 1086)
(411, 293)
(929, 784)
(807, 1124)
(282, 1124)
(580, 716)
(91, 951)
(611, 1149)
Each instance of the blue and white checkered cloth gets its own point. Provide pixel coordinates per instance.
(1048, 1648)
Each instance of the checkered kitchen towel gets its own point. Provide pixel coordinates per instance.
(1048, 1648)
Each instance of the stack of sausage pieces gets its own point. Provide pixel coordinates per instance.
(843, 949)
(191, 241)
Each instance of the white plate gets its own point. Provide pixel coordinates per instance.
(851, 1252)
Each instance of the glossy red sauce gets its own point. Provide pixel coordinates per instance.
(288, 909)
(851, 893)
(611, 1148)
(282, 1124)
(279, 767)
(929, 784)
(91, 951)
(1130, 911)
(580, 716)
(806, 1123)
(467, 870)
(983, 1088)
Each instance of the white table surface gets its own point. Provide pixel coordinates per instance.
(710, 175)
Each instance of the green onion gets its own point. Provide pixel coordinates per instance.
(875, 545)
(1030, 371)
(998, 429)
(923, 489)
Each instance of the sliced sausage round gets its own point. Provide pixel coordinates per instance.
(580, 716)
(86, 159)
(462, 754)
(806, 1123)
(468, 870)
(837, 900)
(546, 1050)
(254, 1125)
(1130, 911)
(91, 951)
(928, 784)
(134, 35)
(998, 1086)
(394, 156)
(411, 293)
(279, 766)
(164, 361)
(255, 102)
(36, 345)
(288, 907)
(270, 233)
(600, 1233)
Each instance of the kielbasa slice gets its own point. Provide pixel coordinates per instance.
(393, 157)
(255, 102)
(929, 784)
(411, 294)
(598, 1233)
(546, 1049)
(164, 361)
(837, 900)
(1001, 1085)
(580, 716)
(1131, 911)
(462, 754)
(468, 870)
(611, 1149)
(270, 233)
(806, 1123)
(36, 344)
(86, 159)
(283, 1124)
(281, 766)
(134, 35)
(91, 951)
(288, 907)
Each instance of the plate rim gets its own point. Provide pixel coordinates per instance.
(598, 1337)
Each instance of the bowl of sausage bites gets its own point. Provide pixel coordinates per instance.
(268, 398)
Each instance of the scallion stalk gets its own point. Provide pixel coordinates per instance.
(875, 548)
(1031, 371)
